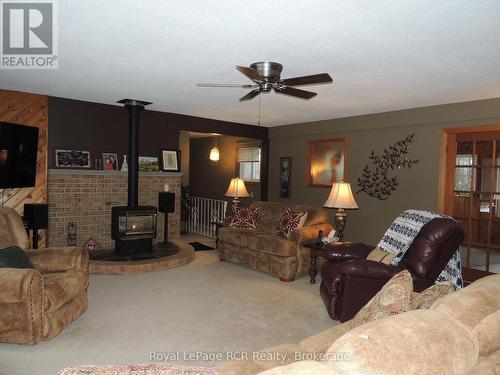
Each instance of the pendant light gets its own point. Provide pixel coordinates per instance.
(214, 152)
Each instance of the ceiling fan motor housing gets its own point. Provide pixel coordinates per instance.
(271, 71)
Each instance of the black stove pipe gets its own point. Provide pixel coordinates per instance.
(134, 108)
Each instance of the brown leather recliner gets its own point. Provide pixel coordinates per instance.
(37, 304)
(349, 281)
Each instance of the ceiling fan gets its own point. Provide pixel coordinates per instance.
(266, 77)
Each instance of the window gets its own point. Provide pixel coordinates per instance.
(248, 160)
(463, 173)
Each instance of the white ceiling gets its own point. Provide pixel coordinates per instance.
(382, 54)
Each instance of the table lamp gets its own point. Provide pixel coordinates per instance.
(237, 190)
(341, 197)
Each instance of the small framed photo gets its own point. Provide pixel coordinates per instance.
(148, 164)
(170, 160)
(285, 177)
(73, 159)
(109, 161)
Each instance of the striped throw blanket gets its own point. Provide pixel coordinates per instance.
(400, 235)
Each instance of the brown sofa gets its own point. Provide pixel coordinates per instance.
(349, 281)
(37, 304)
(459, 335)
(264, 251)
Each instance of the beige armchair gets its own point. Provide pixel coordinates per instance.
(37, 304)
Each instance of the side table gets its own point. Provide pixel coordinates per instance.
(318, 250)
(218, 225)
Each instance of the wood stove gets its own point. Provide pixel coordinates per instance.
(133, 227)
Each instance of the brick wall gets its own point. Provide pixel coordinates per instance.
(86, 198)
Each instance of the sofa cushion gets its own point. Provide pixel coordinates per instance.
(290, 220)
(320, 342)
(300, 368)
(487, 332)
(271, 244)
(14, 257)
(315, 215)
(416, 342)
(238, 237)
(244, 218)
(394, 298)
(262, 360)
(270, 215)
(489, 365)
(473, 303)
(60, 287)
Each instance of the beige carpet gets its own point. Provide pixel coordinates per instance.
(204, 306)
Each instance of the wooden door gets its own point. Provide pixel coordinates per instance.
(472, 196)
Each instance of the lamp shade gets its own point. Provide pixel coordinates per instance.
(214, 154)
(341, 197)
(237, 188)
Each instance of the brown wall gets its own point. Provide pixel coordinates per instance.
(27, 109)
(104, 128)
(101, 128)
(418, 187)
(211, 180)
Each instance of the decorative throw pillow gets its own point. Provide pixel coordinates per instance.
(14, 257)
(426, 298)
(394, 298)
(244, 218)
(290, 220)
(381, 256)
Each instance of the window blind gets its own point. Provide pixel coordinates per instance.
(248, 154)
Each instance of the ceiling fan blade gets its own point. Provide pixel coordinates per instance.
(226, 85)
(252, 94)
(308, 80)
(250, 73)
(295, 92)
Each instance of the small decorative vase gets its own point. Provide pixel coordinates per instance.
(125, 164)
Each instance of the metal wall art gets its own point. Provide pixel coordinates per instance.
(375, 181)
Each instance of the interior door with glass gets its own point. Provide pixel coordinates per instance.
(472, 196)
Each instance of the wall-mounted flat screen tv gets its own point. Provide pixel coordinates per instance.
(18, 151)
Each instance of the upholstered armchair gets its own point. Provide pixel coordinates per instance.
(349, 280)
(37, 304)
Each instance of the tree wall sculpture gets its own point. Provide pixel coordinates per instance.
(375, 180)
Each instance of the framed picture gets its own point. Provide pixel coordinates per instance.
(109, 161)
(72, 159)
(326, 161)
(285, 177)
(148, 164)
(170, 160)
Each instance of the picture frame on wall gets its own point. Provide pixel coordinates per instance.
(326, 162)
(170, 160)
(73, 159)
(148, 164)
(109, 161)
(285, 177)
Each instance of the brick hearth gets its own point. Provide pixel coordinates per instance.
(86, 198)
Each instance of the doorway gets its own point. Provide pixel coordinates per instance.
(472, 195)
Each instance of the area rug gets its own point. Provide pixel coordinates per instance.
(142, 369)
(198, 246)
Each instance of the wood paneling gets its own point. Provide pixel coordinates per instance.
(31, 110)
